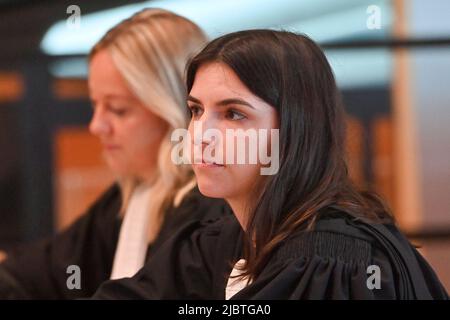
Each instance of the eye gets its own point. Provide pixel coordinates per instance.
(118, 110)
(195, 110)
(234, 115)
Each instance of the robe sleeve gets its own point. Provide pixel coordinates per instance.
(184, 267)
(39, 270)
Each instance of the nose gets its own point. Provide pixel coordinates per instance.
(208, 133)
(99, 125)
(203, 128)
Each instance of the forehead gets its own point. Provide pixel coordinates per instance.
(216, 78)
(104, 77)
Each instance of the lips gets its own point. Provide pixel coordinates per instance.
(111, 147)
(207, 163)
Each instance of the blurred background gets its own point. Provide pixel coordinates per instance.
(391, 60)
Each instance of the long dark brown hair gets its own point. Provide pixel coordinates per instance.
(291, 73)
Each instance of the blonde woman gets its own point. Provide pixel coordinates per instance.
(136, 85)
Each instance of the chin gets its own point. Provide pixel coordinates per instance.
(211, 191)
(118, 170)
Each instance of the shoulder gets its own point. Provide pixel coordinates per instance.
(100, 223)
(111, 198)
(336, 236)
(105, 207)
(344, 251)
(102, 214)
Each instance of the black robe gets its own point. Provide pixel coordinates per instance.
(329, 262)
(39, 270)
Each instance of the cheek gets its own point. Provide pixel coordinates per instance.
(145, 136)
(244, 176)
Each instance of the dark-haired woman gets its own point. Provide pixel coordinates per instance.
(303, 232)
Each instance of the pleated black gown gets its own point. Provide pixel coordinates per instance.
(333, 261)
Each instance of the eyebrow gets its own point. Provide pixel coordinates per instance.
(110, 97)
(224, 102)
(118, 96)
(115, 96)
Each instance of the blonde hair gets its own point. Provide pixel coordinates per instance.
(150, 50)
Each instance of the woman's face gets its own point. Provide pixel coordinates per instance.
(128, 131)
(219, 100)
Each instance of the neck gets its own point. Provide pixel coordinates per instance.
(147, 179)
(240, 210)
